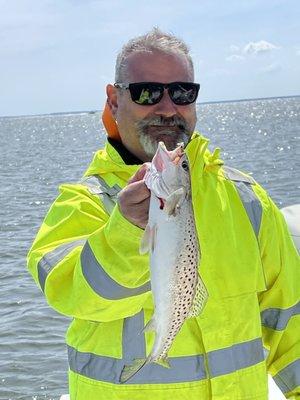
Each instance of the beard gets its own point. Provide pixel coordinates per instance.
(171, 131)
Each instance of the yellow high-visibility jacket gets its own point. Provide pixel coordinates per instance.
(86, 260)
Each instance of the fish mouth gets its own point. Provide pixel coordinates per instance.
(164, 157)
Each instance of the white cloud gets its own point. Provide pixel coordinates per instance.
(259, 47)
(235, 57)
(252, 48)
(269, 69)
(233, 48)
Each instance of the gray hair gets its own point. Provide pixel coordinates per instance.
(155, 40)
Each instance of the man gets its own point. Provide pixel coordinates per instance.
(86, 255)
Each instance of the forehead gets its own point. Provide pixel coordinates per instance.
(158, 67)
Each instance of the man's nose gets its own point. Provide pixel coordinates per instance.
(165, 107)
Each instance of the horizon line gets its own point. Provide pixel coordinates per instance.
(200, 103)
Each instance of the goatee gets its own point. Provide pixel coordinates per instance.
(171, 131)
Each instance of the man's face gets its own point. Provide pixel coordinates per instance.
(142, 127)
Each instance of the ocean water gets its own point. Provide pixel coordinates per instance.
(40, 152)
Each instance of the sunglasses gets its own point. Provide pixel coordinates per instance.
(149, 93)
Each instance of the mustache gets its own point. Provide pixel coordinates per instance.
(174, 121)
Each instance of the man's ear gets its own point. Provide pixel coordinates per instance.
(112, 99)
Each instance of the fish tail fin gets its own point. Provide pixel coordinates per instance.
(150, 326)
(164, 362)
(130, 370)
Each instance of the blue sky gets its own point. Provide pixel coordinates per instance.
(58, 56)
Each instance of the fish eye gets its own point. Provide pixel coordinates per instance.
(185, 165)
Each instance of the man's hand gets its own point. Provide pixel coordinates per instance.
(134, 199)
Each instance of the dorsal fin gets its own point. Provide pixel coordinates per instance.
(199, 300)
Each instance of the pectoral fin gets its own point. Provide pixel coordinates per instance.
(174, 201)
(148, 239)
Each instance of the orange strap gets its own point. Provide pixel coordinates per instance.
(110, 124)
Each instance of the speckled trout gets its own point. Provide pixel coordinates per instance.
(170, 238)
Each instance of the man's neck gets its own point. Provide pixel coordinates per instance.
(125, 154)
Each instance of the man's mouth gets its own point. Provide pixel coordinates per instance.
(161, 128)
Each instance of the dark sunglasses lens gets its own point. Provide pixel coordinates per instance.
(145, 93)
(184, 93)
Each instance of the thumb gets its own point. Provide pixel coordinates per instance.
(140, 173)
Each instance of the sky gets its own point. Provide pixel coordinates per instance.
(58, 56)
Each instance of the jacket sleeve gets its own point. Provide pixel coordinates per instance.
(86, 262)
(280, 303)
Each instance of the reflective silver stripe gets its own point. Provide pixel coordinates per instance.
(238, 356)
(266, 352)
(188, 368)
(101, 282)
(288, 378)
(100, 368)
(183, 369)
(236, 175)
(276, 318)
(133, 338)
(249, 199)
(107, 194)
(107, 369)
(53, 257)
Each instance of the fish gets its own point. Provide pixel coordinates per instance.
(171, 239)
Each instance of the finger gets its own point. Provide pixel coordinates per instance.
(140, 173)
(134, 193)
(142, 207)
(140, 213)
(138, 191)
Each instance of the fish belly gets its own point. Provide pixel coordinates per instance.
(165, 269)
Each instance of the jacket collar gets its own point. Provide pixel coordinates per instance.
(127, 157)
